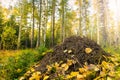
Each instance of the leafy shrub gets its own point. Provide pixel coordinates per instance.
(9, 39)
(41, 49)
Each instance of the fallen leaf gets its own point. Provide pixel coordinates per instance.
(65, 51)
(68, 77)
(69, 51)
(32, 69)
(46, 77)
(49, 68)
(105, 64)
(65, 66)
(80, 77)
(81, 70)
(70, 62)
(88, 50)
(74, 74)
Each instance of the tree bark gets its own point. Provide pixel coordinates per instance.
(32, 30)
(44, 21)
(80, 14)
(19, 34)
(63, 27)
(39, 27)
(103, 22)
(53, 21)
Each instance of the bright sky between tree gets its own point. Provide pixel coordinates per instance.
(114, 5)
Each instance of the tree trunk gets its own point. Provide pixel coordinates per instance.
(32, 30)
(44, 21)
(19, 34)
(98, 34)
(80, 14)
(53, 21)
(63, 27)
(39, 27)
(103, 22)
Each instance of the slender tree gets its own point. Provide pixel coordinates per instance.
(1, 25)
(103, 25)
(80, 18)
(97, 19)
(44, 21)
(19, 34)
(39, 27)
(53, 20)
(32, 29)
(62, 26)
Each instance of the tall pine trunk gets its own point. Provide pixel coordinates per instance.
(32, 29)
(80, 18)
(19, 34)
(63, 27)
(39, 27)
(53, 21)
(44, 21)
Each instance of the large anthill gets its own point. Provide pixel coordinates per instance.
(80, 49)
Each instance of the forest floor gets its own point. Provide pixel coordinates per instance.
(14, 63)
(75, 59)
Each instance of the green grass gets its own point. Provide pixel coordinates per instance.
(112, 50)
(14, 64)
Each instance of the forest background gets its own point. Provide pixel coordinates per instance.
(31, 23)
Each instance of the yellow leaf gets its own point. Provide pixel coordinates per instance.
(68, 77)
(46, 77)
(81, 70)
(70, 62)
(65, 51)
(32, 69)
(96, 69)
(22, 78)
(102, 74)
(49, 68)
(56, 65)
(35, 76)
(69, 51)
(111, 74)
(80, 77)
(105, 64)
(27, 73)
(65, 67)
(74, 74)
(109, 78)
(43, 53)
(31, 78)
(36, 73)
(88, 50)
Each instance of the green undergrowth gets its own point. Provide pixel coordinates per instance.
(15, 65)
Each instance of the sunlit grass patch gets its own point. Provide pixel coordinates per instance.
(15, 63)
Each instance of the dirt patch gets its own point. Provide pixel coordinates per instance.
(81, 50)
